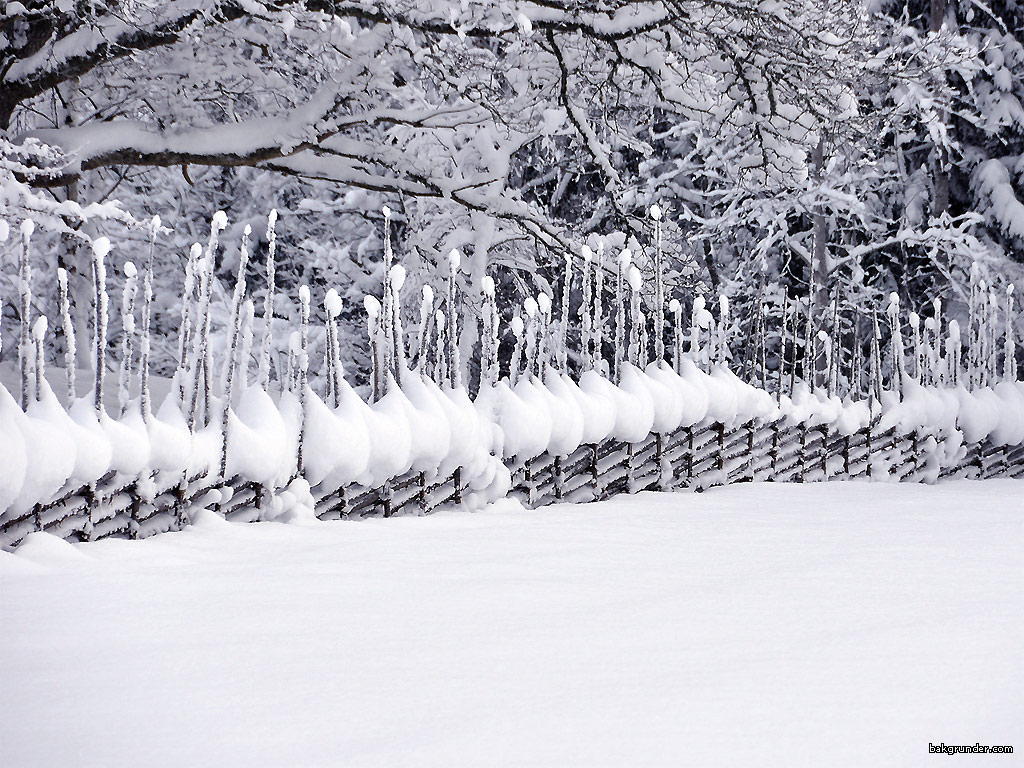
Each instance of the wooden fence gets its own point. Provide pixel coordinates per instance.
(693, 458)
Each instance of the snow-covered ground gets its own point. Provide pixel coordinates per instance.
(828, 624)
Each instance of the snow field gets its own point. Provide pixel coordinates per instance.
(756, 624)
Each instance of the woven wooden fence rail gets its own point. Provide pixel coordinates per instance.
(691, 457)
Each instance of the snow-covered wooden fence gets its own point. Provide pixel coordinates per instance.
(649, 405)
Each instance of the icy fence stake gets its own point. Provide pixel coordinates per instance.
(268, 303)
(424, 330)
(953, 353)
(131, 278)
(489, 338)
(623, 265)
(896, 343)
(38, 337)
(1009, 342)
(147, 310)
(677, 333)
(197, 359)
(228, 375)
(991, 363)
(100, 249)
(332, 308)
(397, 280)
(245, 350)
(723, 329)
(563, 335)
(598, 323)
(699, 318)
(876, 358)
(531, 309)
(973, 325)
(659, 286)
(387, 317)
(303, 365)
(69, 332)
(373, 308)
(185, 329)
(543, 331)
(587, 311)
(25, 293)
(518, 331)
(915, 339)
(454, 363)
(635, 283)
(783, 336)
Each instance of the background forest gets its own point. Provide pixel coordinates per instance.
(804, 155)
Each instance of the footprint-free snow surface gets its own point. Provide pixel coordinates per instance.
(828, 624)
